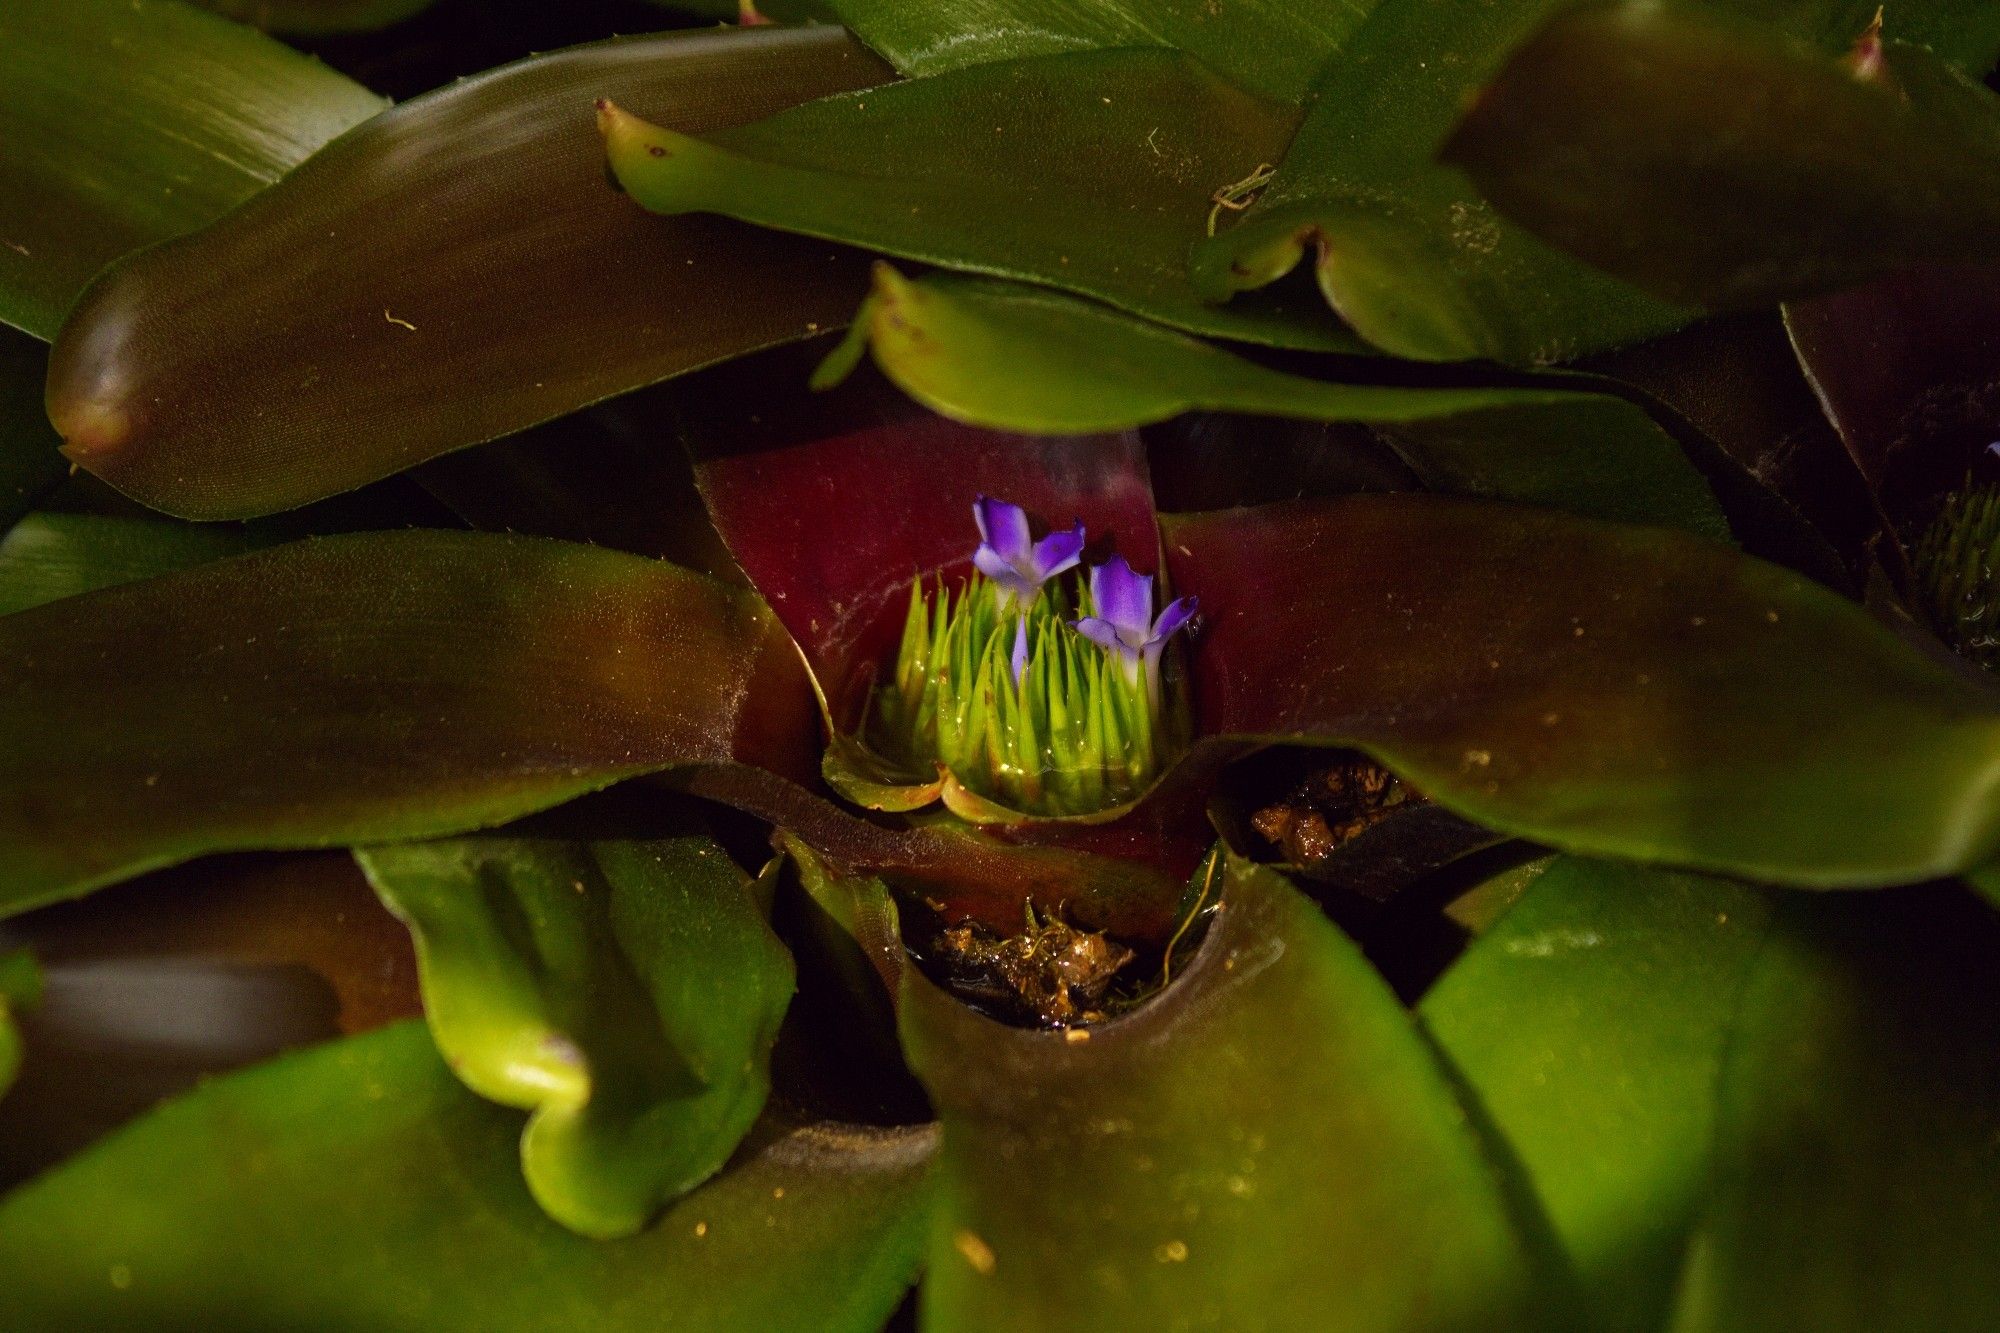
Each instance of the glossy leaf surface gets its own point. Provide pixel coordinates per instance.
(1604, 136)
(1614, 690)
(29, 463)
(1591, 1020)
(1411, 257)
(129, 121)
(626, 993)
(366, 688)
(454, 271)
(358, 1186)
(1267, 1145)
(1090, 171)
(1858, 1185)
(20, 984)
(46, 557)
(1272, 47)
(1018, 358)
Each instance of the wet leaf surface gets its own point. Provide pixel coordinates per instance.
(129, 121)
(1607, 689)
(358, 1185)
(1603, 136)
(1857, 1185)
(366, 688)
(625, 993)
(1018, 358)
(1268, 1144)
(1590, 1021)
(455, 271)
(1090, 171)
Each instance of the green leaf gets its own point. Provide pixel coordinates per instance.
(1090, 171)
(1271, 47)
(318, 18)
(1019, 358)
(455, 270)
(29, 463)
(20, 987)
(1618, 691)
(1415, 261)
(1268, 1144)
(46, 557)
(1604, 136)
(626, 993)
(1857, 1184)
(366, 688)
(129, 121)
(1590, 1021)
(357, 1186)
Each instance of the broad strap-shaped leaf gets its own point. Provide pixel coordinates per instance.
(367, 688)
(1857, 1184)
(1267, 1145)
(1622, 691)
(357, 1185)
(453, 271)
(20, 985)
(1904, 367)
(1271, 47)
(832, 503)
(318, 18)
(1603, 135)
(1590, 1022)
(1010, 357)
(626, 993)
(1091, 171)
(29, 463)
(129, 121)
(46, 557)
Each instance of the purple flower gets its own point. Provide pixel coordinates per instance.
(1017, 564)
(1124, 625)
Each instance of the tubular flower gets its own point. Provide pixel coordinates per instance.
(1029, 713)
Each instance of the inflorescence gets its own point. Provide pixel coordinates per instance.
(1037, 686)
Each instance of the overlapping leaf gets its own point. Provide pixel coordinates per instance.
(359, 1186)
(46, 557)
(627, 993)
(1091, 171)
(129, 121)
(453, 271)
(1267, 1145)
(1604, 136)
(318, 18)
(366, 688)
(1614, 690)
(1590, 1022)
(29, 463)
(1018, 358)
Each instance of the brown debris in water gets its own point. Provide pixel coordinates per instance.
(1330, 808)
(1052, 972)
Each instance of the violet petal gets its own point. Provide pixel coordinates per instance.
(1004, 528)
(1121, 596)
(1059, 551)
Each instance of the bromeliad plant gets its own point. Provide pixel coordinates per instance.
(1332, 810)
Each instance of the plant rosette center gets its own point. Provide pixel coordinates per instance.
(1032, 688)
